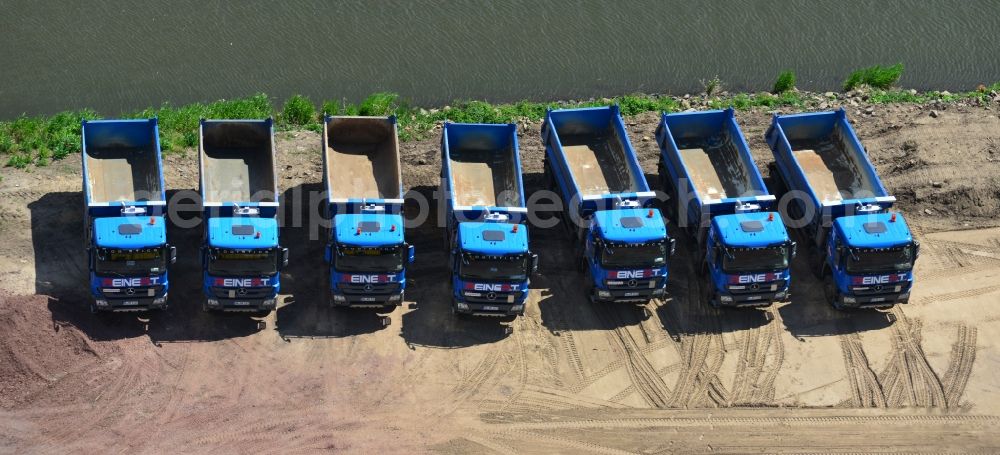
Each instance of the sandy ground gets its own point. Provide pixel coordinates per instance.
(570, 377)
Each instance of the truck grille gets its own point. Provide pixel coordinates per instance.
(490, 297)
(881, 289)
(634, 284)
(756, 288)
(369, 288)
(243, 293)
(131, 293)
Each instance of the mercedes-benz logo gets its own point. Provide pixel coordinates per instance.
(631, 283)
(878, 287)
(368, 287)
(491, 296)
(755, 286)
(241, 291)
(130, 291)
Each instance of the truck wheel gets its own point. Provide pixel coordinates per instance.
(830, 292)
(204, 307)
(93, 308)
(708, 296)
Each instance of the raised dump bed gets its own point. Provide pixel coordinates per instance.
(362, 158)
(237, 162)
(482, 163)
(122, 162)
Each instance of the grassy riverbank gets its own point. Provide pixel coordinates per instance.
(39, 140)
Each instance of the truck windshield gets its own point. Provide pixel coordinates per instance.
(653, 254)
(487, 267)
(736, 260)
(226, 262)
(867, 260)
(361, 259)
(143, 261)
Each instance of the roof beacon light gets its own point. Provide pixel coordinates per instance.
(256, 235)
(152, 221)
(770, 216)
(358, 231)
(392, 228)
(514, 229)
(892, 219)
(649, 214)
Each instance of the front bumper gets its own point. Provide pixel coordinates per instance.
(637, 295)
(761, 299)
(238, 305)
(366, 300)
(130, 304)
(872, 301)
(489, 309)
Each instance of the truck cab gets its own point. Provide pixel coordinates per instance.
(492, 266)
(241, 262)
(626, 254)
(870, 261)
(748, 259)
(368, 259)
(127, 251)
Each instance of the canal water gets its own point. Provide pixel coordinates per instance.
(117, 56)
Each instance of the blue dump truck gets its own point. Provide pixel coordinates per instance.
(125, 201)
(365, 249)
(717, 195)
(490, 261)
(240, 254)
(863, 252)
(621, 240)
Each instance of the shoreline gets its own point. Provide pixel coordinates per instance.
(39, 140)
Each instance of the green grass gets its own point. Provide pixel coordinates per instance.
(785, 82)
(27, 141)
(877, 77)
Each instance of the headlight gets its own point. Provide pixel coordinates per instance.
(473, 294)
(779, 295)
(603, 293)
(725, 298)
(615, 283)
(849, 299)
(339, 298)
(517, 308)
(160, 301)
(904, 296)
(102, 303)
(658, 291)
(213, 302)
(462, 305)
(395, 297)
(269, 302)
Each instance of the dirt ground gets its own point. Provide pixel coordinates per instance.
(570, 377)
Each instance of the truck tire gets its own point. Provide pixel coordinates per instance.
(93, 308)
(830, 292)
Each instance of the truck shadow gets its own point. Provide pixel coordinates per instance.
(305, 313)
(430, 322)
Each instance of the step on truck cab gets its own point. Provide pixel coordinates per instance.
(620, 239)
(240, 253)
(125, 203)
(485, 212)
(716, 194)
(863, 252)
(365, 250)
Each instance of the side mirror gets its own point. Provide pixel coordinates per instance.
(90, 257)
(916, 250)
(410, 254)
(534, 263)
(173, 254)
(328, 253)
(795, 249)
(284, 257)
(673, 246)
